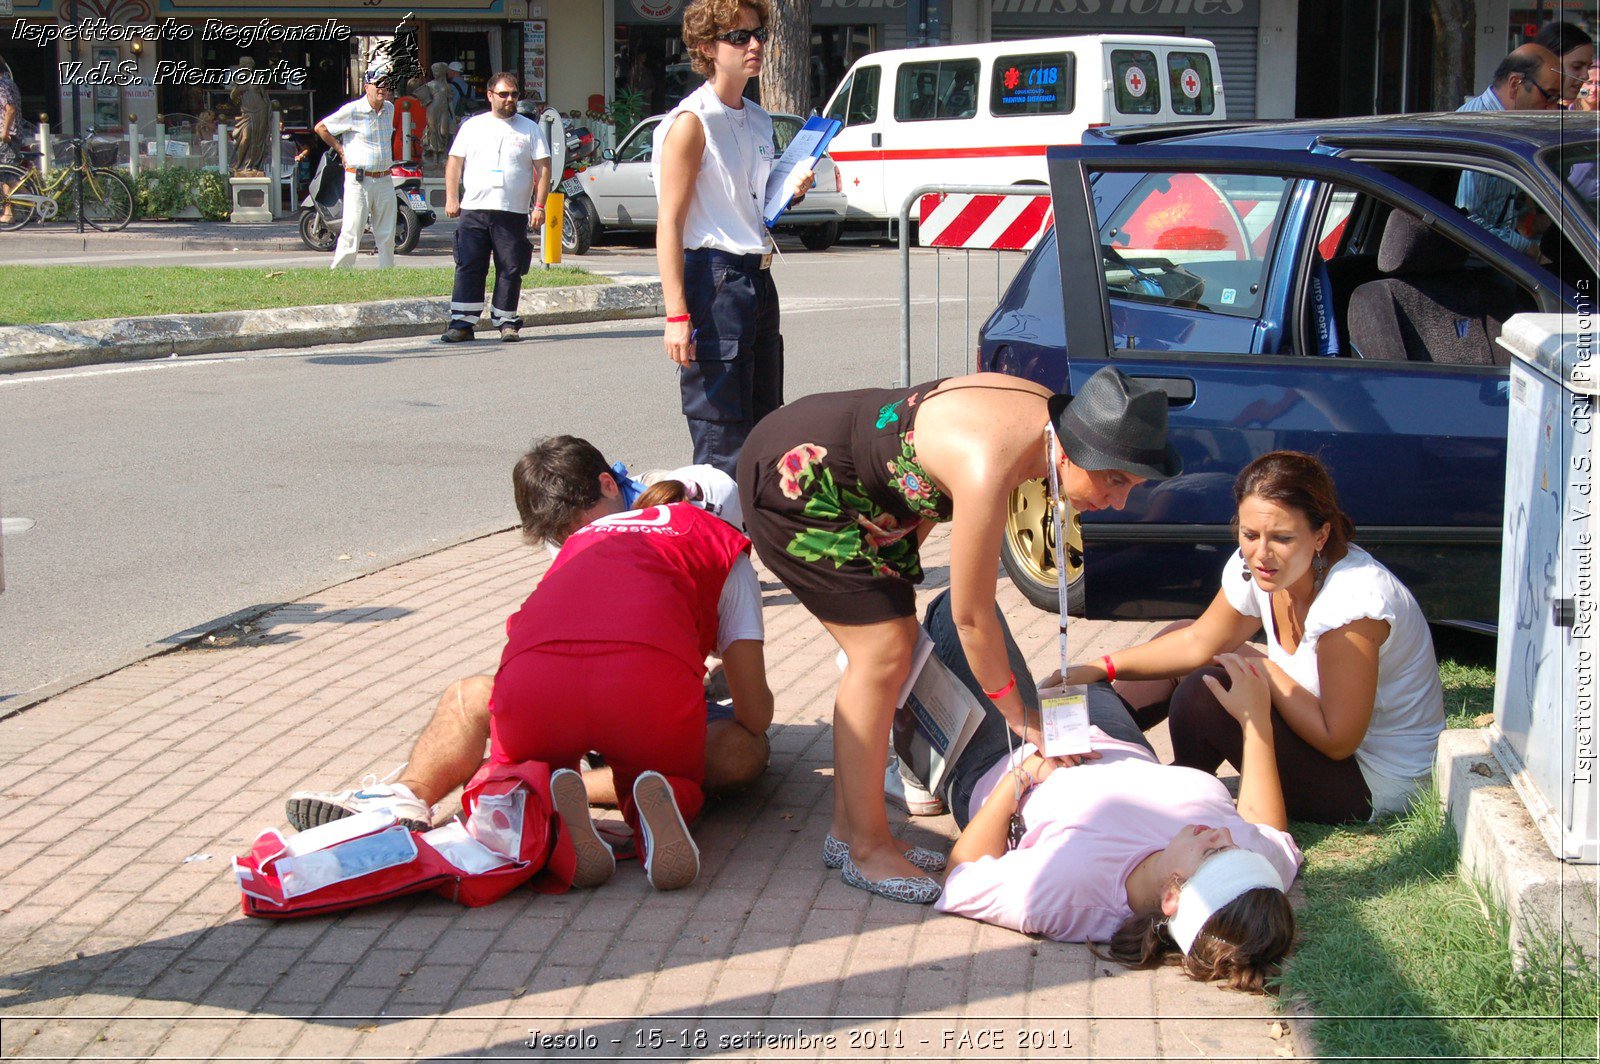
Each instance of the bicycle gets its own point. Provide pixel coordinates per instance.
(104, 199)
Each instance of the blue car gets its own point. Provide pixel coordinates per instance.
(1328, 286)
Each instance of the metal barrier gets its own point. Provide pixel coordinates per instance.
(905, 269)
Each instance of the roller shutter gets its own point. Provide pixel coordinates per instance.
(1236, 56)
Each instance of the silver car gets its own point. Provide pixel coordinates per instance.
(622, 191)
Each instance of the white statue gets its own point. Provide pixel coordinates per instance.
(439, 99)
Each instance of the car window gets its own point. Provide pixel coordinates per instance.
(1134, 82)
(936, 90)
(639, 147)
(1196, 240)
(1189, 83)
(863, 109)
(1032, 84)
(783, 130)
(1330, 234)
(1578, 166)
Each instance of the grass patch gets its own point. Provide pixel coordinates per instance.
(1400, 959)
(78, 293)
(1466, 671)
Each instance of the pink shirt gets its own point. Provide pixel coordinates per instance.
(1087, 828)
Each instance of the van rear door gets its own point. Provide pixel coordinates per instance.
(857, 149)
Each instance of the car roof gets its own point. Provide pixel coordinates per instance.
(1521, 133)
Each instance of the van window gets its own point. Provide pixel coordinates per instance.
(927, 91)
(1189, 83)
(863, 109)
(1133, 77)
(1032, 84)
(839, 106)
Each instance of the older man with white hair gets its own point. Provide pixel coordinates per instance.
(362, 133)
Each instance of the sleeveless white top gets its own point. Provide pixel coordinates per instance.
(730, 187)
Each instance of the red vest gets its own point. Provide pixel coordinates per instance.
(648, 576)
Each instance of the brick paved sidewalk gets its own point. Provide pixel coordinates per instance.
(123, 800)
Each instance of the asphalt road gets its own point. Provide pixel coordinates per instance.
(165, 495)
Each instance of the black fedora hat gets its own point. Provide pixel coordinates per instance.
(1116, 423)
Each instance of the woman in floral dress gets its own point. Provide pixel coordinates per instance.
(840, 490)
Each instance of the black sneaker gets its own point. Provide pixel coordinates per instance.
(456, 335)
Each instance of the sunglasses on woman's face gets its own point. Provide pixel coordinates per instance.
(741, 38)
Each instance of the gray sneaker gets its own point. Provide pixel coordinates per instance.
(671, 859)
(310, 809)
(456, 335)
(509, 334)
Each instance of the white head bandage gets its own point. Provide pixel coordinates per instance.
(1217, 881)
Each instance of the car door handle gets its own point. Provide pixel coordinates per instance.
(1180, 390)
(877, 140)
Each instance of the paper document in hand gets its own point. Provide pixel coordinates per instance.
(934, 722)
(1066, 721)
(797, 161)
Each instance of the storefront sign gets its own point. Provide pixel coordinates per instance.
(658, 10)
(1130, 13)
(361, 9)
(534, 52)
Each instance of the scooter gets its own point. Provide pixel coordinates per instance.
(322, 211)
(579, 222)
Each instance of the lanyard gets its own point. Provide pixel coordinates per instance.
(1052, 447)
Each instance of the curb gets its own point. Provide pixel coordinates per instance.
(61, 344)
(188, 637)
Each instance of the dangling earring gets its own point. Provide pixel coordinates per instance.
(1319, 569)
(1244, 565)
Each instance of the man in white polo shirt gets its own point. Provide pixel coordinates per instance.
(361, 132)
(505, 164)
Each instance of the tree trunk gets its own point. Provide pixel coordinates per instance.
(786, 68)
(1455, 29)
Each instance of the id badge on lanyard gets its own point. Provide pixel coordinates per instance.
(1065, 724)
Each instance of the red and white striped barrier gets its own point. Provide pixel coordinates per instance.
(1001, 223)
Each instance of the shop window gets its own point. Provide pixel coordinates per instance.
(1134, 83)
(938, 90)
(1190, 84)
(1032, 84)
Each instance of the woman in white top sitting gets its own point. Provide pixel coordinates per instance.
(1355, 685)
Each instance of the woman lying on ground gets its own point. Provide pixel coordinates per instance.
(840, 489)
(1153, 859)
(1355, 686)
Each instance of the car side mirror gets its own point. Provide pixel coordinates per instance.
(609, 155)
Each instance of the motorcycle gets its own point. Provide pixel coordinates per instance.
(322, 211)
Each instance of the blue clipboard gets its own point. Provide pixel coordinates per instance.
(811, 142)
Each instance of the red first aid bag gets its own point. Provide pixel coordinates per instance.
(509, 834)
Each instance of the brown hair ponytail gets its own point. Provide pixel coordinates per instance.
(1242, 945)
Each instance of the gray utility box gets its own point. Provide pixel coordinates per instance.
(1544, 730)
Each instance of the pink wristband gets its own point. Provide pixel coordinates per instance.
(995, 696)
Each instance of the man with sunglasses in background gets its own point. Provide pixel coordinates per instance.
(711, 158)
(360, 134)
(1529, 79)
(504, 163)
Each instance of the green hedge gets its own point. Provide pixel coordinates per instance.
(163, 192)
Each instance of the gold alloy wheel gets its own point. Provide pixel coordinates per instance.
(1030, 544)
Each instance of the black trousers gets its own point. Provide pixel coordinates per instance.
(479, 234)
(736, 378)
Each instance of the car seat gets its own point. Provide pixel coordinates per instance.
(1430, 307)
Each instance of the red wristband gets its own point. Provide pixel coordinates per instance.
(1111, 670)
(673, 319)
(995, 696)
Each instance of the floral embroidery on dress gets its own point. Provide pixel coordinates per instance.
(907, 477)
(796, 463)
(879, 541)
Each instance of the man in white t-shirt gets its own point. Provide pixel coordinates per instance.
(361, 134)
(561, 484)
(504, 163)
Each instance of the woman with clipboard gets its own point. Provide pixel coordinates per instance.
(711, 158)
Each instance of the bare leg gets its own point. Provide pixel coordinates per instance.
(879, 660)
(451, 747)
(734, 758)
